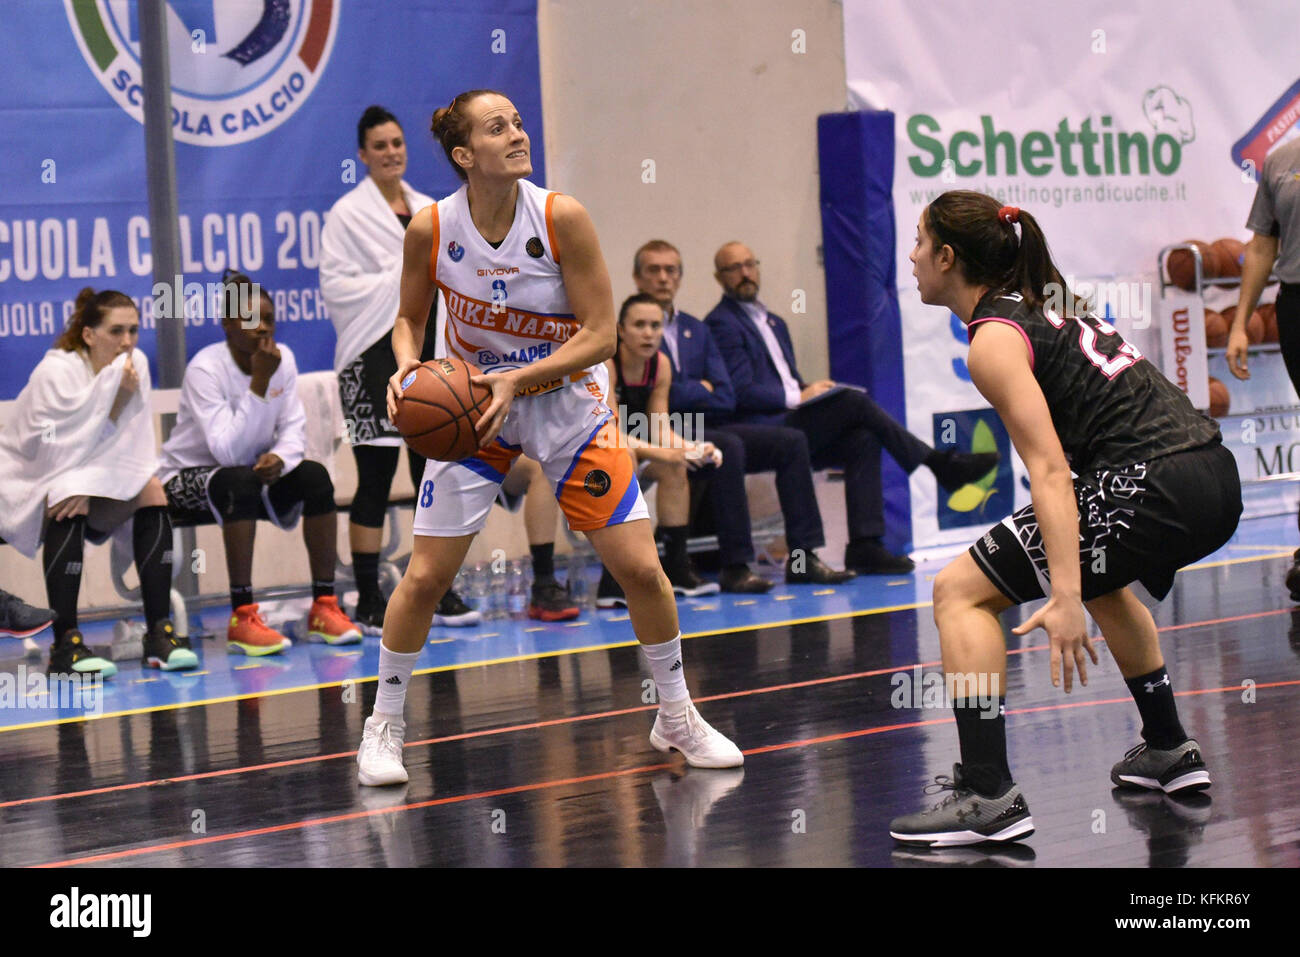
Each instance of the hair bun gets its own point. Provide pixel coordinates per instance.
(84, 297)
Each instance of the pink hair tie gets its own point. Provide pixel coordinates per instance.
(1009, 214)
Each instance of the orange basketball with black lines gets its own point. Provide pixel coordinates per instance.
(439, 409)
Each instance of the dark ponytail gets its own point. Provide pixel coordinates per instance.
(87, 313)
(982, 234)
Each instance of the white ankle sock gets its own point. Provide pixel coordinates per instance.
(394, 675)
(669, 674)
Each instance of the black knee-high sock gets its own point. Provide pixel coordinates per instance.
(1154, 694)
(65, 542)
(983, 735)
(152, 541)
(365, 566)
(674, 545)
(543, 560)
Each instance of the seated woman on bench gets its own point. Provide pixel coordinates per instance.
(236, 456)
(639, 376)
(76, 461)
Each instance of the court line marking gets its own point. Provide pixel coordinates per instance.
(564, 782)
(539, 655)
(574, 719)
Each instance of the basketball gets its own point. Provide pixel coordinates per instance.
(1228, 253)
(1182, 266)
(439, 409)
(1256, 327)
(1216, 329)
(1269, 312)
(1218, 398)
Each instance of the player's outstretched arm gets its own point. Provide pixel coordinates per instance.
(999, 367)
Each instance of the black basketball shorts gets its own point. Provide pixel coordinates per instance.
(1139, 523)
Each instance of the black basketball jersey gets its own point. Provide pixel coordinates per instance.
(1110, 406)
(635, 396)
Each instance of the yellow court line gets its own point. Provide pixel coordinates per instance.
(537, 656)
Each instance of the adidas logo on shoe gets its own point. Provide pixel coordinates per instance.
(394, 680)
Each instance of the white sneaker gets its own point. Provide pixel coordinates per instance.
(699, 743)
(380, 756)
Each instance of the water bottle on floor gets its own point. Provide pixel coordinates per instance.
(495, 604)
(576, 575)
(518, 582)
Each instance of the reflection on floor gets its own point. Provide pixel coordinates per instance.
(526, 743)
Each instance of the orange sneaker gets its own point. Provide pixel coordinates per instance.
(248, 634)
(326, 622)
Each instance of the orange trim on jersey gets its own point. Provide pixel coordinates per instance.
(584, 510)
(478, 314)
(497, 456)
(433, 257)
(550, 228)
(454, 339)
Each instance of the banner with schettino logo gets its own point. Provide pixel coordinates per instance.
(1121, 127)
(266, 95)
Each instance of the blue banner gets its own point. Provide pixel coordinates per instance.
(266, 95)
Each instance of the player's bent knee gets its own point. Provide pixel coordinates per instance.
(427, 584)
(962, 583)
(646, 578)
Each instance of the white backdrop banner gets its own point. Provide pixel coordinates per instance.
(1121, 126)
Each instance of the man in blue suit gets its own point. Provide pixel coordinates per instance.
(845, 430)
(702, 386)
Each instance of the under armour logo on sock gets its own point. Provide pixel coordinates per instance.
(1152, 686)
(676, 665)
(394, 680)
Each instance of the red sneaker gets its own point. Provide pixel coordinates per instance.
(250, 635)
(326, 622)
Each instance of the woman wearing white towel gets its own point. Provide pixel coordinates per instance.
(78, 457)
(360, 277)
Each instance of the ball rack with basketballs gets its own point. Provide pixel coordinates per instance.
(1212, 271)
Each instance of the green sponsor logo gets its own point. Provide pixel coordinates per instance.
(1073, 147)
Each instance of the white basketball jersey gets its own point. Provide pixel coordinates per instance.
(506, 307)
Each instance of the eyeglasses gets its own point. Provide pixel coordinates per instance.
(747, 264)
(654, 270)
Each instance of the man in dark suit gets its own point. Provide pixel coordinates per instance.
(846, 429)
(702, 386)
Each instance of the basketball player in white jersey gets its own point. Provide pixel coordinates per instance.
(529, 302)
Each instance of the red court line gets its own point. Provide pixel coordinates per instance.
(562, 782)
(571, 719)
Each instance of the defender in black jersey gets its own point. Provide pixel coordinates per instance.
(1153, 490)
